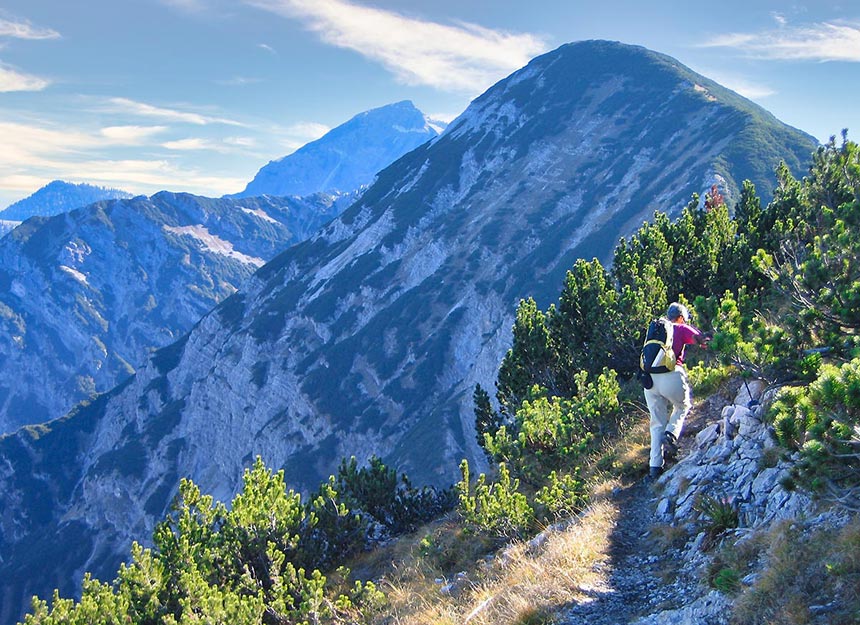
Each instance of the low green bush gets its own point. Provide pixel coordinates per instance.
(496, 508)
(822, 421)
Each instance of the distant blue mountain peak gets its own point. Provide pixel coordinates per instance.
(59, 197)
(349, 156)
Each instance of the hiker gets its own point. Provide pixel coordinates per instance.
(671, 388)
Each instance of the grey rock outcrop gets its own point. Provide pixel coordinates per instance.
(734, 460)
(730, 463)
(710, 609)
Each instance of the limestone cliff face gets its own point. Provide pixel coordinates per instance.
(85, 296)
(369, 336)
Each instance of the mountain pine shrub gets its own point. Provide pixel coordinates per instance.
(552, 433)
(749, 341)
(391, 501)
(816, 263)
(495, 508)
(258, 561)
(562, 497)
(822, 420)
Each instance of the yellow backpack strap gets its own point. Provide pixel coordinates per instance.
(656, 342)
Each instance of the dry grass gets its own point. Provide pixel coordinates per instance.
(668, 536)
(625, 456)
(523, 584)
(802, 569)
(444, 576)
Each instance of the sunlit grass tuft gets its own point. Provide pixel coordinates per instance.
(524, 583)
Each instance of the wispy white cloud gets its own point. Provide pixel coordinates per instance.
(829, 41)
(56, 149)
(25, 30)
(444, 117)
(267, 48)
(779, 18)
(194, 143)
(241, 142)
(464, 58)
(130, 135)
(751, 90)
(33, 155)
(227, 145)
(141, 109)
(307, 130)
(29, 144)
(13, 80)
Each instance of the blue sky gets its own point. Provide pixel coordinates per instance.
(197, 95)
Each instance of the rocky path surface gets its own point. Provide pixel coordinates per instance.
(648, 580)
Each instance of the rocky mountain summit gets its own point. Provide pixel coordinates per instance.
(369, 337)
(88, 294)
(349, 156)
(59, 197)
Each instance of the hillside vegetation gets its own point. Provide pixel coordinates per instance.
(780, 287)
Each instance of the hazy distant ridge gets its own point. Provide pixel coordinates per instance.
(59, 197)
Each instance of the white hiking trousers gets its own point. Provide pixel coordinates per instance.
(670, 390)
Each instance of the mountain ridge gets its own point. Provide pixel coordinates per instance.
(89, 292)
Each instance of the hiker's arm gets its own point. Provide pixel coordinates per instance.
(702, 339)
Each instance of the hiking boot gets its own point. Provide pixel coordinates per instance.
(670, 447)
(655, 472)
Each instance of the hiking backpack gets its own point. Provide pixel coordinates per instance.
(657, 355)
